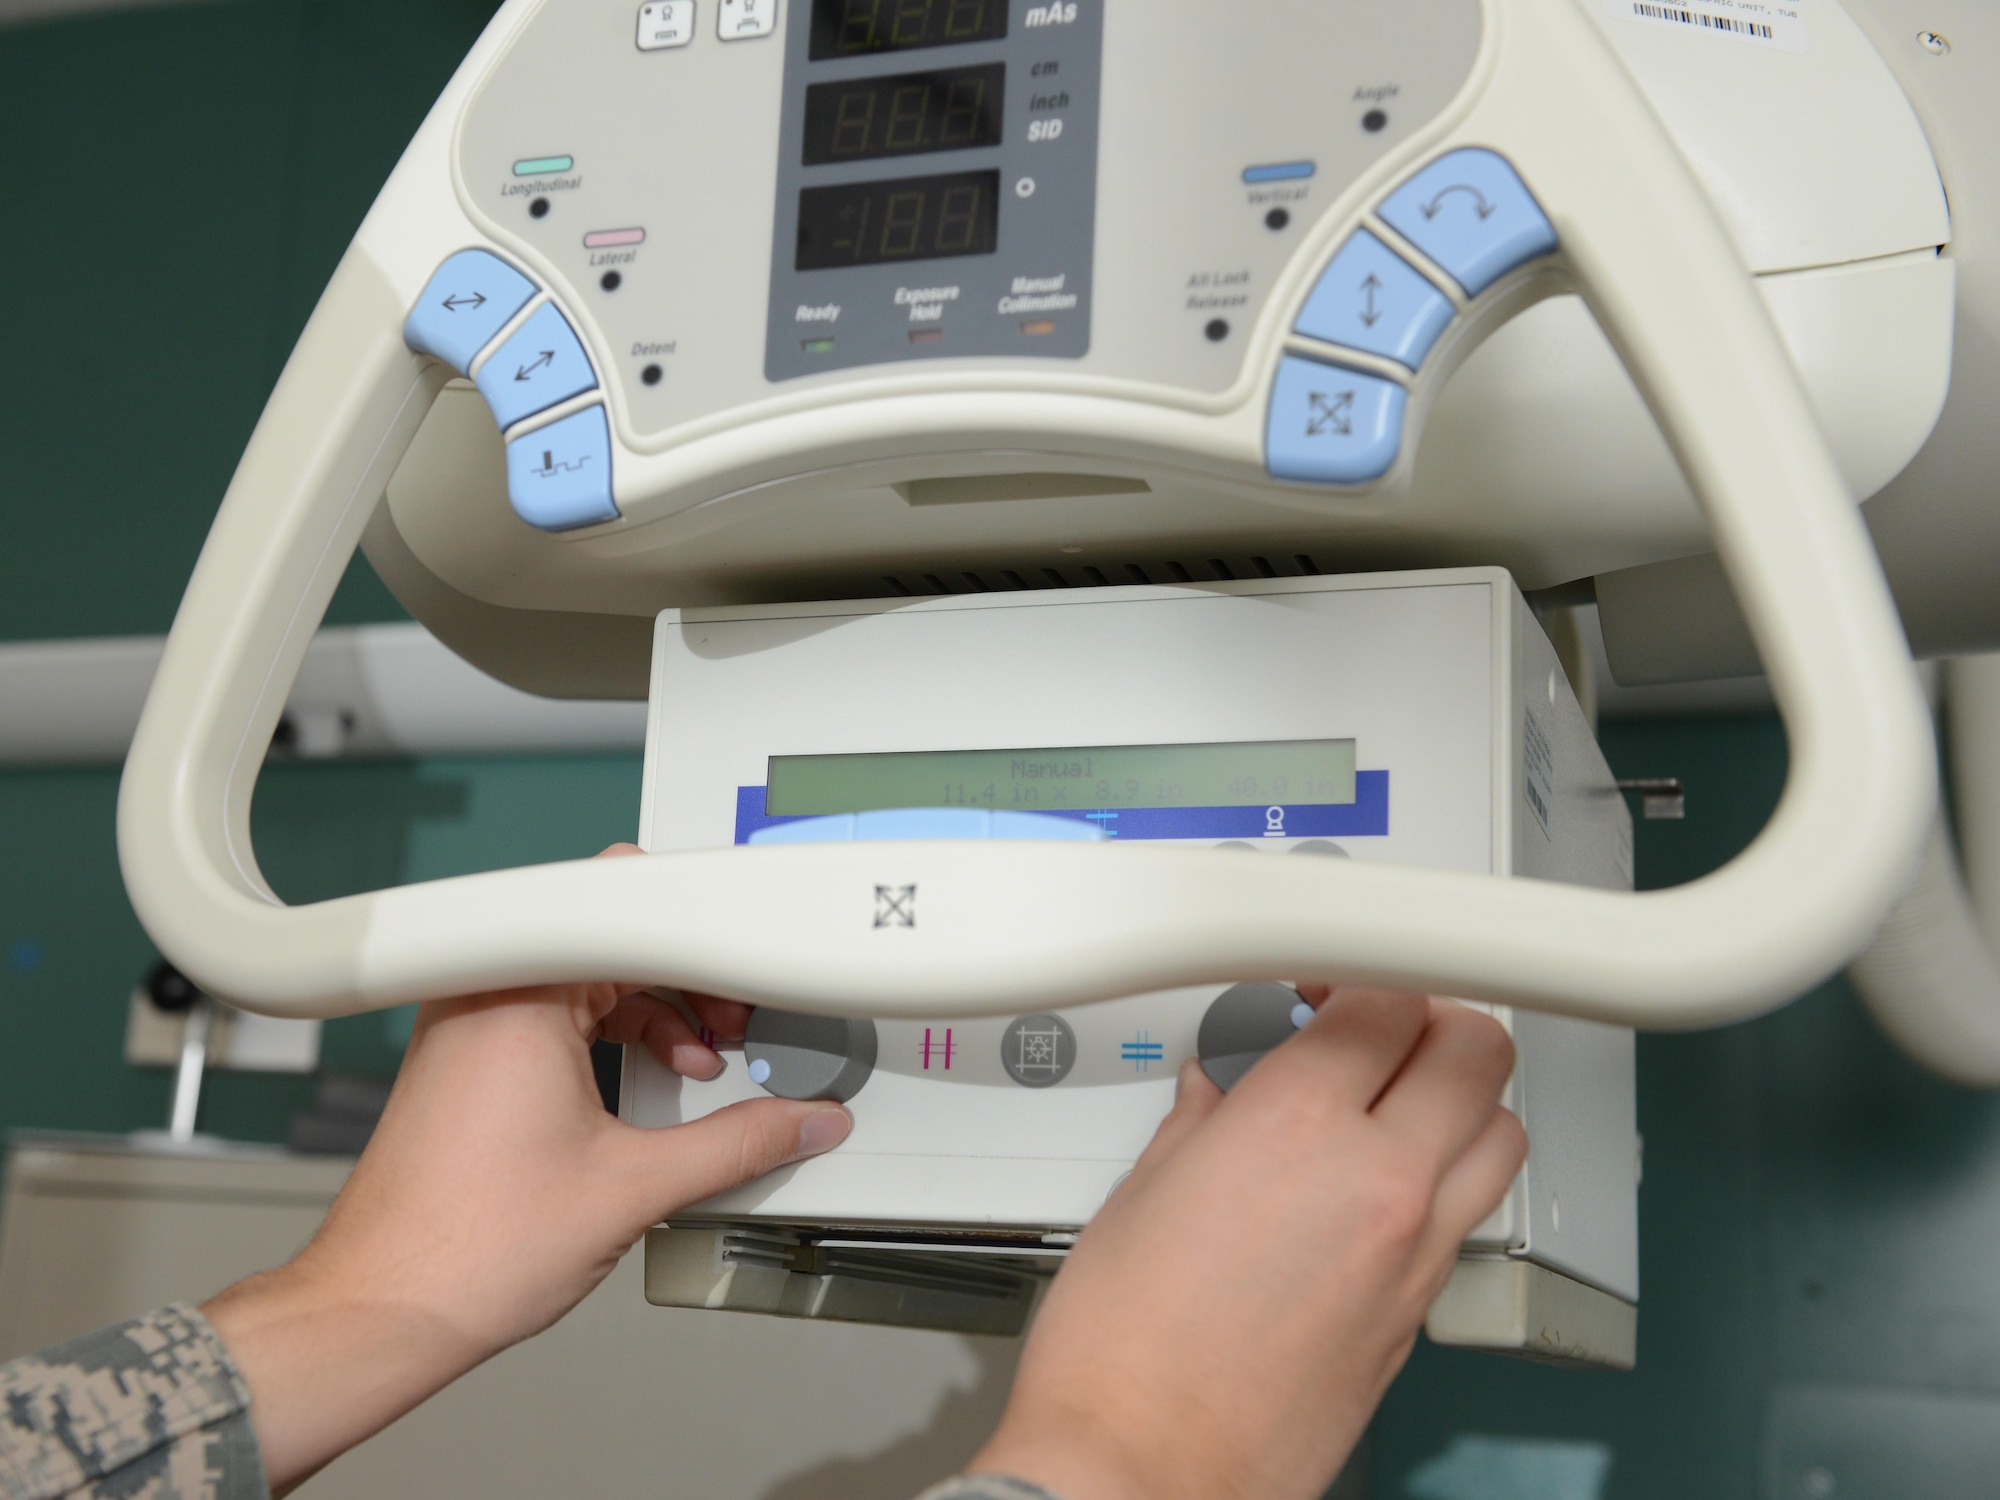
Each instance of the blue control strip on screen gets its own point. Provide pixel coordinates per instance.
(1471, 213)
(1365, 817)
(470, 298)
(917, 823)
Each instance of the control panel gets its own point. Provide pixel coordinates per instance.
(1438, 731)
(937, 183)
(724, 204)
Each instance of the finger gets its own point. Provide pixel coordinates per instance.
(1473, 1186)
(645, 1020)
(1314, 995)
(684, 1164)
(728, 1019)
(1195, 1098)
(618, 851)
(1348, 1052)
(1441, 1100)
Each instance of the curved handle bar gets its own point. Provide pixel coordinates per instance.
(793, 925)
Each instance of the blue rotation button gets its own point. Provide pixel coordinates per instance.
(1332, 426)
(542, 363)
(1471, 213)
(1370, 298)
(559, 476)
(469, 299)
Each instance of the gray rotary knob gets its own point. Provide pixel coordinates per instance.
(1245, 1022)
(808, 1057)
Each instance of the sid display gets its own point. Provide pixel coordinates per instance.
(956, 109)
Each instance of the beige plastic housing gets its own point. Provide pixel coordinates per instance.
(1643, 247)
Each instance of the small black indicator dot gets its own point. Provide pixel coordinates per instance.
(1277, 218)
(611, 281)
(1374, 120)
(539, 209)
(1217, 330)
(651, 374)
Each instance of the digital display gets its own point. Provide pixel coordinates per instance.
(957, 109)
(860, 28)
(1256, 773)
(907, 218)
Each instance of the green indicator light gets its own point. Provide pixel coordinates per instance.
(535, 166)
(817, 346)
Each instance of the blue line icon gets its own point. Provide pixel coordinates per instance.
(1142, 1052)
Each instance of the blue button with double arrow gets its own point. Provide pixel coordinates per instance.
(1370, 298)
(1470, 212)
(470, 298)
(541, 364)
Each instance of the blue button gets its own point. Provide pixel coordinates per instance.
(1470, 213)
(543, 363)
(1332, 426)
(559, 476)
(469, 299)
(1370, 298)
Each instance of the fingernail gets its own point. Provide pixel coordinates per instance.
(822, 1131)
(692, 1060)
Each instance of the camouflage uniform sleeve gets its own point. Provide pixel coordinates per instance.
(153, 1409)
(987, 1487)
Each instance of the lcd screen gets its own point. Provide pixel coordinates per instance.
(860, 119)
(860, 28)
(905, 219)
(1255, 773)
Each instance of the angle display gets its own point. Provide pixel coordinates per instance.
(904, 219)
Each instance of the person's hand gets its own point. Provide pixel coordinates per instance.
(1227, 1324)
(495, 1194)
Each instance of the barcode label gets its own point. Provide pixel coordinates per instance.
(1780, 25)
(1538, 768)
(1701, 18)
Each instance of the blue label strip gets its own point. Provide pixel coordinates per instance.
(1367, 816)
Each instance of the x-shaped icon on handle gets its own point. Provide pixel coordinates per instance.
(1330, 414)
(895, 906)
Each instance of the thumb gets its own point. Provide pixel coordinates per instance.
(681, 1164)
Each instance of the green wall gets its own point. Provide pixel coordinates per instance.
(1815, 1212)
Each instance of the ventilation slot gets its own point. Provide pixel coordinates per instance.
(1094, 575)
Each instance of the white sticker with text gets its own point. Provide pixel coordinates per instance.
(1761, 23)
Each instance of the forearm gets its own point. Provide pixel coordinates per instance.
(329, 1365)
